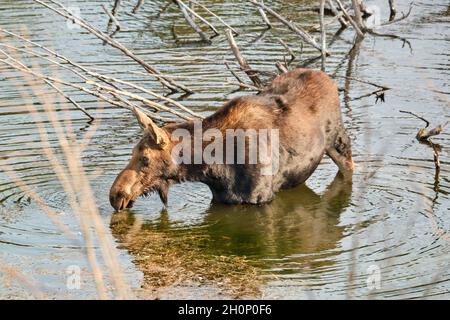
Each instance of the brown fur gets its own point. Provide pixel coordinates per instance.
(303, 104)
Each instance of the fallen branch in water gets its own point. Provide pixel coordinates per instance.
(242, 61)
(214, 15)
(424, 135)
(338, 15)
(195, 14)
(111, 89)
(323, 35)
(294, 28)
(91, 118)
(393, 9)
(281, 67)
(404, 16)
(103, 78)
(264, 16)
(190, 21)
(288, 49)
(64, 12)
(112, 18)
(137, 6)
(350, 19)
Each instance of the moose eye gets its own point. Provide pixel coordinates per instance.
(145, 161)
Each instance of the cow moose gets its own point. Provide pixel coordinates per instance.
(300, 106)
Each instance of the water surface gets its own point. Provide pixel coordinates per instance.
(319, 240)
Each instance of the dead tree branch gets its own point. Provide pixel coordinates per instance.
(264, 16)
(323, 35)
(393, 9)
(242, 61)
(137, 6)
(423, 134)
(288, 49)
(214, 15)
(191, 22)
(294, 28)
(195, 14)
(167, 82)
(349, 18)
(111, 18)
(404, 15)
(337, 14)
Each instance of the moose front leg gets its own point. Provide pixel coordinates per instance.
(340, 151)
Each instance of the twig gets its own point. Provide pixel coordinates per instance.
(349, 18)
(112, 15)
(393, 9)
(297, 30)
(337, 14)
(392, 36)
(137, 6)
(233, 72)
(323, 35)
(242, 61)
(264, 16)
(417, 116)
(215, 15)
(281, 67)
(169, 83)
(404, 16)
(243, 85)
(358, 16)
(191, 22)
(288, 49)
(70, 100)
(116, 7)
(111, 18)
(199, 17)
(363, 81)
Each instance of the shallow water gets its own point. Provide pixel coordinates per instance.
(320, 240)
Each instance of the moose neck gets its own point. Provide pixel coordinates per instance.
(193, 167)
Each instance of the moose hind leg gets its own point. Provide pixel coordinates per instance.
(340, 151)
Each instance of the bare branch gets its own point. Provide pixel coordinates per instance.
(242, 61)
(296, 29)
(349, 18)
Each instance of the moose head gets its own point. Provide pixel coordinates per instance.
(151, 167)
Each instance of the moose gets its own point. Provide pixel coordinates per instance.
(300, 106)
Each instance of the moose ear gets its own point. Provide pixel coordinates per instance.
(158, 135)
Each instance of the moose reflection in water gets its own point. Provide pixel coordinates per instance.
(297, 222)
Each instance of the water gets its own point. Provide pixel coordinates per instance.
(321, 240)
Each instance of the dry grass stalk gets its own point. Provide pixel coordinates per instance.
(71, 174)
